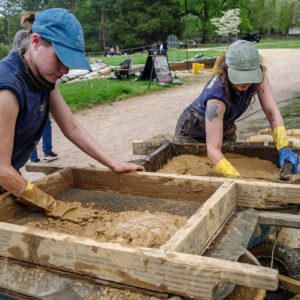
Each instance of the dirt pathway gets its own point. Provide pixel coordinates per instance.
(115, 126)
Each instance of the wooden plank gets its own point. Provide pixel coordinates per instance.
(195, 236)
(265, 194)
(172, 272)
(141, 147)
(159, 157)
(279, 219)
(57, 183)
(289, 283)
(54, 184)
(42, 168)
(148, 184)
(10, 208)
(31, 282)
(146, 147)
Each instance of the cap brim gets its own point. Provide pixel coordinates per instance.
(72, 58)
(245, 76)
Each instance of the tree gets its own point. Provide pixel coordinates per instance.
(33, 5)
(97, 18)
(296, 14)
(202, 9)
(142, 22)
(192, 27)
(270, 17)
(286, 13)
(67, 4)
(245, 25)
(206, 10)
(228, 24)
(10, 11)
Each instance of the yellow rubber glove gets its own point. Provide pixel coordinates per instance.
(280, 138)
(73, 212)
(224, 167)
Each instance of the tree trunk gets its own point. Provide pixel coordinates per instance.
(103, 30)
(73, 6)
(8, 31)
(205, 22)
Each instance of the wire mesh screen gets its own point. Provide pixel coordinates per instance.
(117, 202)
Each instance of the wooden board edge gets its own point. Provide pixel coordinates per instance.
(289, 283)
(57, 183)
(203, 225)
(42, 168)
(141, 147)
(31, 282)
(178, 273)
(266, 194)
(279, 219)
(171, 186)
(54, 184)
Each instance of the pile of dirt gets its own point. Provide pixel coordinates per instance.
(249, 167)
(131, 228)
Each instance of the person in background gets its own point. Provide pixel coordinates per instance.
(112, 51)
(18, 38)
(165, 47)
(49, 155)
(47, 134)
(161, 48)
(105, 52)
(211, 117)
(55, 44)
(117, 50)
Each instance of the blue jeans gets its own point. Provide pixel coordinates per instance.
(47, 141)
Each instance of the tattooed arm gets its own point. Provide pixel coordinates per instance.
(215, 110)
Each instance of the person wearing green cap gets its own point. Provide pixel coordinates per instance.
(225, 97)
(29, 90)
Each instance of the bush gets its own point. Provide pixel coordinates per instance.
(4, 50)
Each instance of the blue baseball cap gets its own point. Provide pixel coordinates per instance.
(61, 28)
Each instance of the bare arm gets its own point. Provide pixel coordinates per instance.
(268, 104)
(10, 179)
(78, 135)
(215, 110)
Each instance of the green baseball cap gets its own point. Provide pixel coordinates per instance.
(242, 59)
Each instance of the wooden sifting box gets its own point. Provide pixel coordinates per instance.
(177, 267)
(169, 149)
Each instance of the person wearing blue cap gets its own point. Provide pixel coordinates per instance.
(28, 91)
(226, 96)
(49, 155)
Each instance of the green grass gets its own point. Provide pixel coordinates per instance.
(279, 43)
(256, 125)
(290, 114)
(86, 94)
